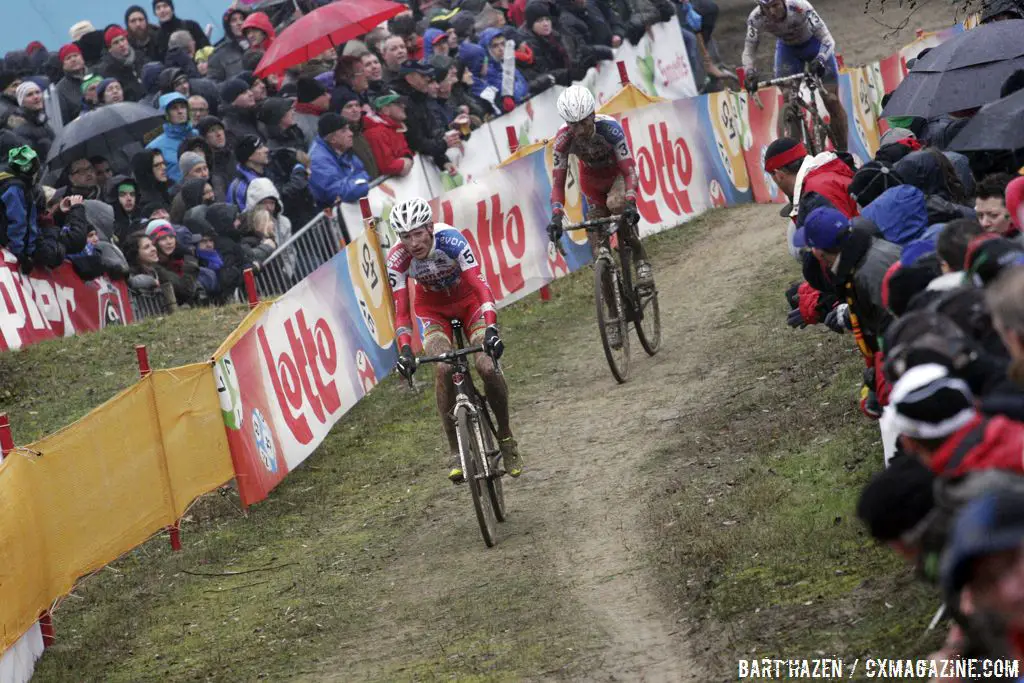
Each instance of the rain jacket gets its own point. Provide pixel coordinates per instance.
(168, 142)
(984, 443)
(226, 60)
(334, 176)
(900, 214)
(386, 138)
(493, 77)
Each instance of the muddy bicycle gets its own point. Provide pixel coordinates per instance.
(478, 439)
(619, 302)
(800, 118)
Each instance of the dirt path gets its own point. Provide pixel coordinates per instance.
(578, 516)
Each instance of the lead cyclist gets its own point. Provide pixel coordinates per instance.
(802, 38)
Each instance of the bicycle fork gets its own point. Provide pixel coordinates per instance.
(462, 403)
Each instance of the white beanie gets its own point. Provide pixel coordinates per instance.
(80, 29)
(23, 90)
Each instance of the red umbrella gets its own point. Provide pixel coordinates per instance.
(323, 29)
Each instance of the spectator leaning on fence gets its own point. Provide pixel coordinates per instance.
(385, 135)
(336, 173)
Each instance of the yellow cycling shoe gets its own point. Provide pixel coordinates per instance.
(510, 456)
(455, 474)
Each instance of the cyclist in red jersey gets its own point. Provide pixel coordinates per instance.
(448, 286)
(608, 176)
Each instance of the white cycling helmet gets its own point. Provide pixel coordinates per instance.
(410, 214)
(575, 104)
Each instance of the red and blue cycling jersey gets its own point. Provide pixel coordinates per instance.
(603, 157)
(449, 284)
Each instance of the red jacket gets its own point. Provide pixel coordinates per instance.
(386, 138)
(985, 443)
(832, 181)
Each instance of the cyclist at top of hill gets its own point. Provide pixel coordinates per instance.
(608, 176)
(802, 38)
(448, 286)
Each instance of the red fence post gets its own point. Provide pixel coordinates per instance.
(6, 446)
(364, 208)
(6, 440)
(46, 628)
(840, 61)
(513, 139)
(250, 288)
(142, 355)
(623, 75)
(145, 370)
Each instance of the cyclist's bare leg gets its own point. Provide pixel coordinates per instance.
(436, 343)
(616, 205)
(495, 389)
(837, 113)
(593, 213)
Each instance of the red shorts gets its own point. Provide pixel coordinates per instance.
(596, 183)
(436, 310)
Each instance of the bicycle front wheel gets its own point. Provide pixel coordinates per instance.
(491, 452)
(469, 430)
(611, 319)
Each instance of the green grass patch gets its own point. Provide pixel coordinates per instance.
(757, 538)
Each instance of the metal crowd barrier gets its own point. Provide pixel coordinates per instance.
(313, 245)
(149, 304)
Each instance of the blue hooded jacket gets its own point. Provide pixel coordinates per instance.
(428, 42)
(174, 134)
(520, 89)
(900, 214)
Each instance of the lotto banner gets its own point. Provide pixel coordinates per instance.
(857, 93)
(761, 114)
(315, 353)
(55, 303)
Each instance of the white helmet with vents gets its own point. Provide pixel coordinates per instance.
(575, 104)
(410, 214)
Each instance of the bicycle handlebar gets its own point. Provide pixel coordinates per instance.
(594, 223)
(449, 356)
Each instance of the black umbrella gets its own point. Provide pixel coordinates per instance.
(930, 93)
(103, 132)
(993, 42)
(996, 127)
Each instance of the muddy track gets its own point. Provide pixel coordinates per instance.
(579, 515)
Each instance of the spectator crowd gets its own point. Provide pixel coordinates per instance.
(240, 160)
(917, 256)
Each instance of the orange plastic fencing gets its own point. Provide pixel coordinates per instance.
(79, 499)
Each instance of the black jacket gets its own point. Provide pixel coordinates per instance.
(863, 262)
(179, 59)
(591, 24)
(586, 35)
(222, 170)
(69, 95)
(34, 127)
(129, 75)
(150, 189)
(229, 245)
(239, 122)
(8, 105)
(150, 52)
(422, 132)
(549, 58)
(124, 223)
(163, 36)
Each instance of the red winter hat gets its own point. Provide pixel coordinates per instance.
(68, 49)
(112, 33)
(34, 46)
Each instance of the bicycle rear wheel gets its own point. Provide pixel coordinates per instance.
(610, 314)
(490, 440)
(468, 431)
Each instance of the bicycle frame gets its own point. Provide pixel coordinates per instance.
(599, 226)
(793, 99)
(465, 393)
